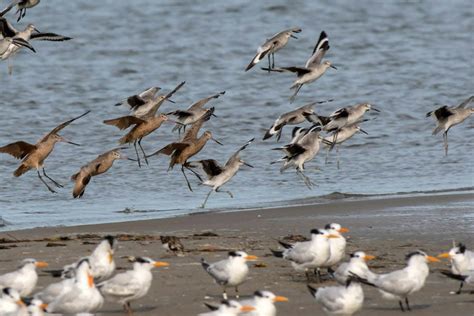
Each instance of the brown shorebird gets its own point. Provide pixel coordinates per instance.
(173, 244)
(193, 113)
(219, 175)
(188, 146)
(449, 116)
(97, 166)
(33, 156)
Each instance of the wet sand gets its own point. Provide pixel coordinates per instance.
(388, 227)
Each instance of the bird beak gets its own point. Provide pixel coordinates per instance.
(375, 109)
(44, 306)
(362, 131)
(247, 308)
(159, 264)
(36, 30)
(292, 36)
(369, 257)
(251, 258)
(20, 302)
(217, 141)
(90, 280)
(170, 101)
(174, 122)
(343, 230)
(247, 164)
(111, 256)
(333, 67)
(280, 299)
(333, 236)
(432, 259)
(444, 255)
(69, 142)
(41, 264)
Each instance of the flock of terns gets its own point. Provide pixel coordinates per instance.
(86, 283)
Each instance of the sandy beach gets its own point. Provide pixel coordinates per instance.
(388, 227)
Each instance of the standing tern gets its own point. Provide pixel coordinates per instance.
(357, 264)
(11, 303)
(230, 272)
(462, 262)
(36, 307)
(21, 5)
(132, 284)
(228, 308)
(449, 116)
(24, 279)
(341, 299)
(337, 246)
(313, 69)
(271, 46)
(400, 284)
(264, 303)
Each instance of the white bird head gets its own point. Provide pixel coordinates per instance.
(269, 296)
(335, 228)
(241, 255)
(32, 264)
(360, 255)
(148, 263)
(322, 233)
(419, 256)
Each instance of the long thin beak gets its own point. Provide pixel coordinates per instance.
(343, 230)
(170, 101)
(161, 264)
(251, 258)
(41, 264)
(247, 164)
(369, 257)
(432, 259)
(362, 131)
(217, 141)
(293, 36)
(444, 255)
(280, 299)
(37, 30)
(69, 142)
(376, 110)
(333, 67)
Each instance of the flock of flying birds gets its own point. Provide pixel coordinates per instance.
(86, 283)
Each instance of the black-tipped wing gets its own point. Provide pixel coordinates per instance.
(322, 46)
(299, 70)
(18, 150)
(63, 125)
(199, 104)
(49, 37)
(210, 166)
(192, 133)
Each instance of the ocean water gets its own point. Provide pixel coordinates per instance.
(404, 57)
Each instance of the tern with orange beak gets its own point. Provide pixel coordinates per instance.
(462, 262)
(337, 246)
(400, 284)
(230, 272)
(24, 279)
(264, 303)
(228, 308)
(357, 264)
(11, 303)
(131, 285)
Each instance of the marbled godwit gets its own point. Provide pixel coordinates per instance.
(449, 116)
(193, 113)
(97, 166)
(188, 146)
(313, 69)
(21, 5)
(297, 116)
(342, 135)
(33, 156)
(272, 45)
(219, 175)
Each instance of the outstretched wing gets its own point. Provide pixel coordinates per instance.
(63, 125)
(18, 150)
(191, 134)
(169, 149)
(9, 7)
(299, 70)
(322, 46)
(466, 102)
(235, 156)
(210, 166)
(49, 37)
(442, 113)
(124, 122)
(199, 104)
(6, 29)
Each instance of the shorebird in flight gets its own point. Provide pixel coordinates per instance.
(271, 46)
(33, 156)
(449, 116)
(219, 175)
(137, 100)
(313, 69)
(21, 5)
(343, 134)
(8, 38)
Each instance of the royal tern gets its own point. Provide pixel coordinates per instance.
(228, 308)
(271, 46)
(230, 272)
(449, 116)
(264, 303)
(132, 284)
(24, 279)
(11, 303)
(357, 265)
(308, 255)
(83, 297)
(53, 290)
(341, 299)
(462, 262)
(399, 284)
(337, 246)
(35, 307)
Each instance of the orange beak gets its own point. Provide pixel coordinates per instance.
(444, 255)
(247, 308)
(369, 257)
(44, 306)
(343, 230)
(432, 259)
(41, 264)
(333, 236)
(20, 302)
(280, 299)
(251, 258)
(161, 264)
(111, 256)
(90, 280)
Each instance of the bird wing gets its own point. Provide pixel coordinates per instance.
(299, 70)
(322, 46)
(81, 180)
(299, 253)
(157, 105)
(344, 112)
(170, 148)
(123, 284)
(124, 122)
(6, 29)
(148, 94)
(219, 271)
(49, 37)
(210, 166)
(135, 101)
(442, 113)
(466, 102)
(235, 156)
(9, 7)
(191, 134)
(18, 150)
(396, 282)
(330, 298)
(199, 104)
(62, 125)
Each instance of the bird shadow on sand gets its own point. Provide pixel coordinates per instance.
(396, 308)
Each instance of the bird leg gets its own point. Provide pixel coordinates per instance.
(297, 89)
(237, 292)
(306, 180)
(138, 157)
(228, 192)
(52, 180)
(318, 275)
(337, 155)
(408, 304)
(186, 178)
(44, 182)
(327, 156)
(269, 65)
(401, 306)
(308, 277)
(207, 197)
(224, 293)
(460, 287)
(143, 152)
(10, 66)
(445, 136)
(186, 165)
(128, 308)
(273, 60)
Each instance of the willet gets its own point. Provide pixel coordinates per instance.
(342, 135)
(193, 113)
(219, 175)
(8, 38)
(313, 69)
(21, 5)
(27, 34)
(297, 116)
(33, 156)
(297, 153)
(99, 165)
(272, 45)
(188, 146)
(140, 99)
(449, 116)
(142, 128)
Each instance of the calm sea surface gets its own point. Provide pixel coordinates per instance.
(405, 57)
